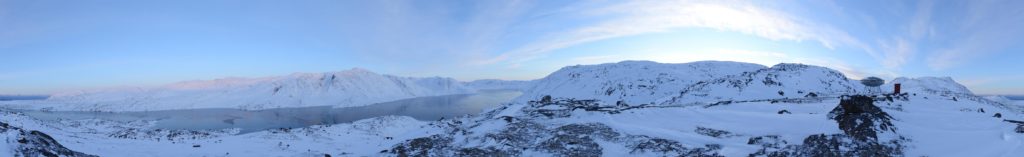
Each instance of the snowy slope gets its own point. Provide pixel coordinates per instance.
(634, 82)
(944, 85)
(354, 87)
(925, 121)
(1000, 99)
(779, 81)
(21, 142)
(564, 115)
(115, 138)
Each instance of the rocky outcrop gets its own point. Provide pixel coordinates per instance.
(859, 118)
(33, 143)
(861, 122)
(523, 136)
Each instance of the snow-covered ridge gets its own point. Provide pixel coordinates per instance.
(780, 81)
(630, 81)
(348, 88)
(1001, 99)
(645, 82)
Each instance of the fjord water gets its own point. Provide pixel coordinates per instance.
(421, 108)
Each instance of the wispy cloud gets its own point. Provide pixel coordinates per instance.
(898, 49)
(894, 53)
(641, 17)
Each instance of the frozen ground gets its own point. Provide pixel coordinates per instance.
(604, 110)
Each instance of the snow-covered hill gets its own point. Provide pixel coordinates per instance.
(1001, 99)
(354, 87)
(21, 142)
(942, 85)
(633, 82)
(779, 81)
(650, 111)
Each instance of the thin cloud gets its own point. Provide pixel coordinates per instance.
(896, 52)
(661, 16)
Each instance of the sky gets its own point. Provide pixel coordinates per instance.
(51, 46)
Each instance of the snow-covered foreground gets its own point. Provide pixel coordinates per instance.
(606, 110)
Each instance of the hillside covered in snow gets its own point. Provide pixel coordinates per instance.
(355, 87)
(630, 81)
(632, 108)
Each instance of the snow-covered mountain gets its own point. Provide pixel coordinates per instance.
(634, 82)
(779, 81)
(355, 87)
(631, 108)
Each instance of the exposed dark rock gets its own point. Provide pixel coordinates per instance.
(434, 145)
(35, 143)
(842, 145)
(861, 122)
(570, 145)
(580, 139)
(595, 129)
(173, 135)
(713, 132)
(489, 151)
(784, 112)
(1020, 125)
(811, 95)
(657, 145)
(768, 143)
(518, 134)
(998, 115)
(643, 144)
(828, 145)
(859, 117)
(546, 99)
(562, 107)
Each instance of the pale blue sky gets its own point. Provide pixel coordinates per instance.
(49, 46)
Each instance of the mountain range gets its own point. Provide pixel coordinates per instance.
(350, 88)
